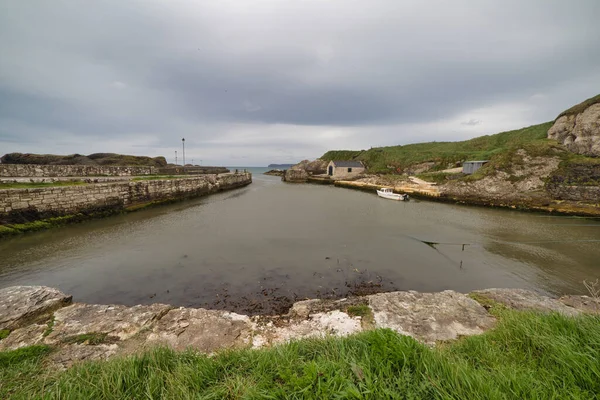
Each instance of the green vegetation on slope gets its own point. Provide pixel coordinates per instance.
(528, 355)
(397, 158)
(78, 159)
(579, 108)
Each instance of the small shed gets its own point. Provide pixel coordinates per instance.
(345, 169)
(469, 167)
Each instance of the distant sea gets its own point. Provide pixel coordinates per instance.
(253, 170)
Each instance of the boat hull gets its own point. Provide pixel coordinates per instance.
(392, 196)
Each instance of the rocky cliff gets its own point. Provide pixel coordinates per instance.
(315, 167)
(578, 128)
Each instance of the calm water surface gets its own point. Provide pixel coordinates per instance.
(257, 248)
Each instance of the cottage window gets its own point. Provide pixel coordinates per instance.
(349, 169)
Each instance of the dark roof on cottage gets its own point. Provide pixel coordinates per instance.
(348, 164)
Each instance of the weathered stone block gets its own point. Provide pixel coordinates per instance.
(21, 305)
(430, 317)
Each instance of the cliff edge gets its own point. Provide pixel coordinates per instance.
(578, 128)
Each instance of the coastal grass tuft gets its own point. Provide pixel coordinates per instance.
(365, 313)
(579, 108)
(49, 327)
(92, 338)
(361, 310)
(4, 333)
(22, 373)
(527, 355)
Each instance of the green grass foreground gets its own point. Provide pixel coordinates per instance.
(527, 356)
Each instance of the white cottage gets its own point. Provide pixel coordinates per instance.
(345, 169)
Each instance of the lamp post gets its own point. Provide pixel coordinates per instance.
(183, 144)
(175, 157)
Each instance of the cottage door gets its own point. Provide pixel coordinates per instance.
(331, 170)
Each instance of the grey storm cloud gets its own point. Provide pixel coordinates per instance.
(346, 71)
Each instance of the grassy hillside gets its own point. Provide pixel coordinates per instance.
(78, 159)
(527, 356)
(580, 107)
(394, 159)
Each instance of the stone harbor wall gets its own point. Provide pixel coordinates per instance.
(179, 170)
(29, 170)
(26, 205)
(42, 315)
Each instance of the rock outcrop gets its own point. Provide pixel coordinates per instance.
(41, 315)
(303, 170)
(23, 305)
(295, 176)
(315, 167)
(430, 317)
(521, 299)
(275, 172)
(579, 130)
(523, 182)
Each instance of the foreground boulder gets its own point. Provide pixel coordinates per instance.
(41, 315)
(204, 330)
(430, 317)
(23, 305)
(522, 299)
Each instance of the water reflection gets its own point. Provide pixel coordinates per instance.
(258, 248)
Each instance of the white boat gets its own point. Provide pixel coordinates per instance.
(387, 193)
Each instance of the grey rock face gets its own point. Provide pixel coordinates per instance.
(580, 133)
(23, 305)
(203, 330)
(118, 322)
(430, 317)
(295, 175)
(96, 332)
(521, 299)
(25, 336)
(583, 303)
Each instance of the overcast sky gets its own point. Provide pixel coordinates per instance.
(267, 81)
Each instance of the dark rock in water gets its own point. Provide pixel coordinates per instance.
(274, 172)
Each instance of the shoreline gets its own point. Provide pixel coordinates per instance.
(39, 315)
(556, 207)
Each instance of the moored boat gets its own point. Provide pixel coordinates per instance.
(387, 193)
